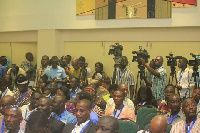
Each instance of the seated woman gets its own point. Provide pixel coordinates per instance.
(144, 98)
(99, 73)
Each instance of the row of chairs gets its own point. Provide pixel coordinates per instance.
(144, 117)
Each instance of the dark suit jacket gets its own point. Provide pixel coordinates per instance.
(90, 128)
(56, 126)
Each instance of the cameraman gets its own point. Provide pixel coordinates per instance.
(159, 77)
(184, 77)
(125, 76)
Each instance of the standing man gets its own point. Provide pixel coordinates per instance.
(41, 70)
(13, 118)
(184, 77)
(124, 75)
(56, 73)
(192, 122)
(2, 67)
(159, 78)
(84, 124)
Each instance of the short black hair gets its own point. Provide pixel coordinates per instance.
(100, 64)
(113, 87)
(122, 92)
(84, 95)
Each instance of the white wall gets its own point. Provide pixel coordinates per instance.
(21, 15)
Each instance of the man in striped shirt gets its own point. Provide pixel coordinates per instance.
(125, 76)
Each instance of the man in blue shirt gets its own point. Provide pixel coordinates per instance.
(56, 73)
(59, 111)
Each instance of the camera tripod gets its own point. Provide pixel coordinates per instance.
(141, 74)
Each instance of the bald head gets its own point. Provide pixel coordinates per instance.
(107, 122)
(158, 124)
(75, 63)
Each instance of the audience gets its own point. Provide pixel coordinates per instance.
(84, 124)
(55, 105)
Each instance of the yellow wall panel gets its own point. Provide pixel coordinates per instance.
(85, 7)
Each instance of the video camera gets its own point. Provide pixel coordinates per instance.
(117, 50)
(172, 61)
(140, 54)
(196, 61)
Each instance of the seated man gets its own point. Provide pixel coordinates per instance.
(59, 111)
(119, 110)
(175, 115)
(74, 88)
(109, 123)
(13, 118)
(4, 90)
(83, 125)
(192, 122)
(103, 89)
(45, 104)
(27, 110)
(127, 102)
(4, 102)
(158, 125)
(196, 97)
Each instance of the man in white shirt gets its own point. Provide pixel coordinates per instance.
(83, 125)
(185, 79)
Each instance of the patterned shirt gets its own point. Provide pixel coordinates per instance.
(39, 72)
(126, 76)
(179, 127)
(22, 99)
(159, 84)
(65, 117)
(163, 107)
(26, 65)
